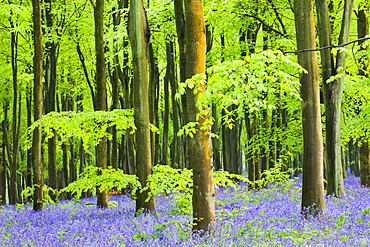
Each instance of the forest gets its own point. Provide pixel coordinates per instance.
(203, 111)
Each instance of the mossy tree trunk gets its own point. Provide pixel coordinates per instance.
(139, 35)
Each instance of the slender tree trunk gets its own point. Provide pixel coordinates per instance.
(313, 200)
(365, 163)
(139, 35)
(175, 145)
(231, 144)
(38, 167)
(50, 87)
(101, 93)
(29, 151)
(362, 31)
(200, 145)
(265, 153)
(169, 79)
(115, 88)
(333, 92)
(216, 141)
(180, 29)
(3, 169)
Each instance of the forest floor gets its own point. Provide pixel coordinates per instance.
(270, 217)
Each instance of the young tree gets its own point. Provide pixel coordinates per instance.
(200, 146)
(139, 35)
(101, 92)
(313, 185)
(38, 167)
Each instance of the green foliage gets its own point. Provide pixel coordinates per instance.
(178, 183)
(103, 179)
(90, 127)
(48, 191)
(225, 179)
(254, 83)
(276, 175)
(356, 109)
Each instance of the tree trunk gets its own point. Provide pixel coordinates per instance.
(38, 167)
(365, 164)
(29, 151)
(231, 144)
(50, 87)
(362, 31)
(3, 169)
(101, 93)
(169, 79)
(216, 141)
(265, 153)
(180, 29)
(139, 35)
(175, 145)
(15, 123)
(313, 200)
(333, 92)
(200, 145)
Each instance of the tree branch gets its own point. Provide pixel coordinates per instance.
(264, 24)
(327, 47)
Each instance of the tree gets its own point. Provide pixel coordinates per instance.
(362, 31)
(50, 87)
(313, 185)
(333, 90)
(139, 34)
(101, 95)
(200, 147)
(38, 167)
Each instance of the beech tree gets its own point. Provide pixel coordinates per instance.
(200, 145)
(362, 31)
(38, 167)
(101, 92)
(139, 34)
(333, 90)
(313, 184)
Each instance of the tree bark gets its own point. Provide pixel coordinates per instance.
(29, 151)
(139, 35)
(175, 145)
(180, 29)
(365, 164)
(313, 185)
(169, 79)
(3, 171)
(333, 92)
(38, 167)
(362, 31)
(101, 93)
(154, 104)
(216, 141)
(231, 144)
(50, 87)
(200, 145)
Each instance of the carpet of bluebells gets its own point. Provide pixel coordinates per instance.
(268, 217)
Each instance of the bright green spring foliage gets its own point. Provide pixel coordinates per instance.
(164, 180)
(106, 180)
(178, 183)
(90, 127)
(29, 191)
